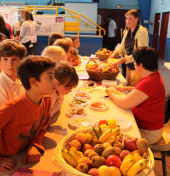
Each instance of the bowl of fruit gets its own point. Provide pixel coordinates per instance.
(103, 54)
(92, 151)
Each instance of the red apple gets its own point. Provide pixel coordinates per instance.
(113, 160)
(123, 154)
(130, 144)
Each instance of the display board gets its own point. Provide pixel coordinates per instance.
(49, 24)
(10, 15)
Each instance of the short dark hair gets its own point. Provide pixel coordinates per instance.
(33, 66)
(109, 16)
(133, 12)
(53, 37)
(2, 36)
(74, 38)
(12, 47)
(31, 17)
(63, 44)
(146, 56)
(66, 73)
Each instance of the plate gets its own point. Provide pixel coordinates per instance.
(125, 125)
(104, 106)
(86, 102)
(86, 95)
(85, 89)
(79, 121)
(74, 109)
(85, 83)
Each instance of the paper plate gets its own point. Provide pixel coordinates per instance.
(85, 89)
(86, 102)
(72, 112)
(85, 83)
(86, 95)
(125, 125)
(79, 121)
(104, 106)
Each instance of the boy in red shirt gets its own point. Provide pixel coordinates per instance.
(23, 120)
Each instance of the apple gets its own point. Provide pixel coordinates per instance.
(76, 144)
(123, 154)
(130, 144)
(115, 171)
(118, 150)
(113, 160)
(81, 137)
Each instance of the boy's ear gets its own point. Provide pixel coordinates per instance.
(33, 82)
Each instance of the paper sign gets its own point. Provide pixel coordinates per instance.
(30, 172)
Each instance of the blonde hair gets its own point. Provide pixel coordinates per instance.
(56, 53)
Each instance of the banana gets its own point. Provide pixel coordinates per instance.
(136, 157)
(73, 161)
(118, 138)
(74, 150)
(126, 165)
(129, 156)
(65, 155)
(80, 154)
(115, 131)
(137, 167)
(105, 135)
(110, 140)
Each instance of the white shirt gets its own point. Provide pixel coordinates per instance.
(9, 89)
(25, 32)
(112, 26)
(34, 35)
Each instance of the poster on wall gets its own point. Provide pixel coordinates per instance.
(10, 15)
(49, 24)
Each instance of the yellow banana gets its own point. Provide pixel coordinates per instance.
(137, 167)
(105, 135)
(74, 150)
(65, 155)
(115, 131)
(136, 157)
(110, 140)
(118, 138)
(126, 165)
(80, 154)
(73, 161)
(129, 156)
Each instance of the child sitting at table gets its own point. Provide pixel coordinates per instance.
(67, 79)
(17, 33)
(53, 37)
(76, 43)
(2, 38)
(11, 52)
(23, 120)
(56, 53)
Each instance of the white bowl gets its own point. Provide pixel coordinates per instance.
(87, 95)
(85, 83)
(86, 102)
(85, 89)
(104, 107)
(79, 121)
(69, 115)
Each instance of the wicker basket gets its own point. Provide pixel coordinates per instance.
(72, 171)
(102, 57)
(99, 75)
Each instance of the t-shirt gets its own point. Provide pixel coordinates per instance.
(22, 123)
(149, 115)
(34, 35)
(26, 31)
(112, 26)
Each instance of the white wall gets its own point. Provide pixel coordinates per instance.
(157, 7)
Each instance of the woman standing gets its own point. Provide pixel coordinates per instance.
(25, 32)
(35, 27)
(3, 28)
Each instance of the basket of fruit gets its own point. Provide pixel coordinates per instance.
(103, 152)
(102, 70)
(103, 54)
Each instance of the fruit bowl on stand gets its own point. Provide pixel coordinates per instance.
(103, 54)
(66, 153)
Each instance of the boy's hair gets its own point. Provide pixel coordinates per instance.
(146, 56)
(53, 37)
(17, 32)
(133, 12)
(2, 21)
(74, 38)
(2, 37)
(56, 53)
(27, 14)
(63, 44)
(31, 17)
(12, 47)
(109, 16)
(66, 73)
(33, 66)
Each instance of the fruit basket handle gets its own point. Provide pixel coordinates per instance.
(92, 60)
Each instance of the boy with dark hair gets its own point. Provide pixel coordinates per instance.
(76, 43)
(53, 37)
(27, 117)
(11, 52)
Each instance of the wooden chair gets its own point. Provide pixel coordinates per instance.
(163, 145)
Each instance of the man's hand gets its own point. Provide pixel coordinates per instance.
(6, 164)
(32, 155)
(121, 60)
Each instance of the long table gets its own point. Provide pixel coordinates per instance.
(59, 128)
